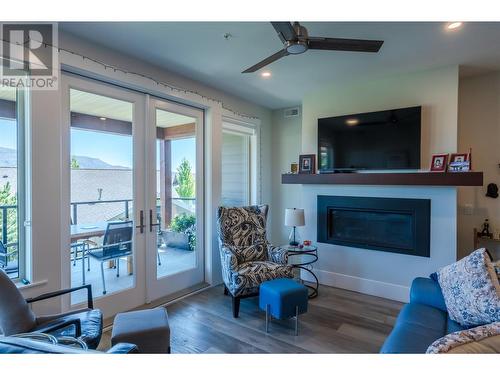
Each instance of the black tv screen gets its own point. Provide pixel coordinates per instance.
(373, 140)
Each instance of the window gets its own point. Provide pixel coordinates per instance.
(13, 172)
(238, 149)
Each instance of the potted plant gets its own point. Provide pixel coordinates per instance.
(182, 233)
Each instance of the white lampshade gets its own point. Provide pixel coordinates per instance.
(294, 217)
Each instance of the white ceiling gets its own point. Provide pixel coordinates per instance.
(200, 52)
(103, 106)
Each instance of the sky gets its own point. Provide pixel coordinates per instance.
(117, 149)
(8, 134)
(111, 148)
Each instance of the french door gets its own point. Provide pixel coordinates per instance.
(174, 240)
(135, 195)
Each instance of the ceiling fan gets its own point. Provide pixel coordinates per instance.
(296, 40)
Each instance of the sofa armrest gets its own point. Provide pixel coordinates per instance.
(427, 292)
(277, 254)
(90, 300)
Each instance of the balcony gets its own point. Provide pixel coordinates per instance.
(170, 259)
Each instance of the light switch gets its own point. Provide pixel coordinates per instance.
(468, 209)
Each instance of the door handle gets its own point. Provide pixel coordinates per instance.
(151, 225)
(141, 221)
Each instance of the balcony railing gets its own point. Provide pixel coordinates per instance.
(127, 206)
(75, 205)
(4, 212)
(11, 255)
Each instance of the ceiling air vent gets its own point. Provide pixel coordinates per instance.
(291, 112)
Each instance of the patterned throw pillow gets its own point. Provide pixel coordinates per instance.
(471, 340)
(497, 268)
(471, 290)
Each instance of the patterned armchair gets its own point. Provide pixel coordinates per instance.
(247, 258)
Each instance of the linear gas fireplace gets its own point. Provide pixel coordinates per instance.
(386, 224)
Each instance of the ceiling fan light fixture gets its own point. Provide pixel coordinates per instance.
(296, 47)
(296, 40)
(453, 25)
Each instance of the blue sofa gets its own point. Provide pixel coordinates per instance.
(422, 321)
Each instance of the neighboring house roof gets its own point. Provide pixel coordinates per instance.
(116, 184)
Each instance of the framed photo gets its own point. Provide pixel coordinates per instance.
(307, 164)
(439, 162)
(459, 163)
(294, 168)
(459, 158)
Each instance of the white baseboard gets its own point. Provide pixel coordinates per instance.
(358, 284)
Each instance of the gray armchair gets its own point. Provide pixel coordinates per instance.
(17, 317)
(248, 259)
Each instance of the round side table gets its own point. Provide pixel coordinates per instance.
(303, 259)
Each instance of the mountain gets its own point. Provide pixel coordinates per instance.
(85, 162)
(8, 158)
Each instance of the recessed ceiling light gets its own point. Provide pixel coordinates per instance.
(102, 118)
(352, 121)
(453, 25)
(266, 74)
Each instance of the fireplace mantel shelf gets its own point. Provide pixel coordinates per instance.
(388, 179)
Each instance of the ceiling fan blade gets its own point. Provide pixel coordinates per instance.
(267, 61)
(338, 44)
(285, 31)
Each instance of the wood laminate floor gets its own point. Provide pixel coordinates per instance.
(338, 321)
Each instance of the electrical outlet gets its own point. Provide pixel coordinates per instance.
(468, 209)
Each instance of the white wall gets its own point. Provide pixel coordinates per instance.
(378, 273)
(286, 149)
(48, 213)
(479, 128)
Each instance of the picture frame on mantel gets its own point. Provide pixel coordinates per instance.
(307, 164)
(439, 162)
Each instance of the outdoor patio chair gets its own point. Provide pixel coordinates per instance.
(17, 317)
(117, 243)
(81, 247)
(9, 266)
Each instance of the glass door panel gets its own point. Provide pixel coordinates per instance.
(176, 192)
(106, 146)
(101, 193)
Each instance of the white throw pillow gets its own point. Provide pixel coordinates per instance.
(471, 290)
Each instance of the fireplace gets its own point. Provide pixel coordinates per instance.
(385, 224)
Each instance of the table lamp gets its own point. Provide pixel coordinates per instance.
(294, 217)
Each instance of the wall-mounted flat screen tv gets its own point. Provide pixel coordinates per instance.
(370, 141)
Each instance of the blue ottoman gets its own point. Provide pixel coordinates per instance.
(282, 299)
